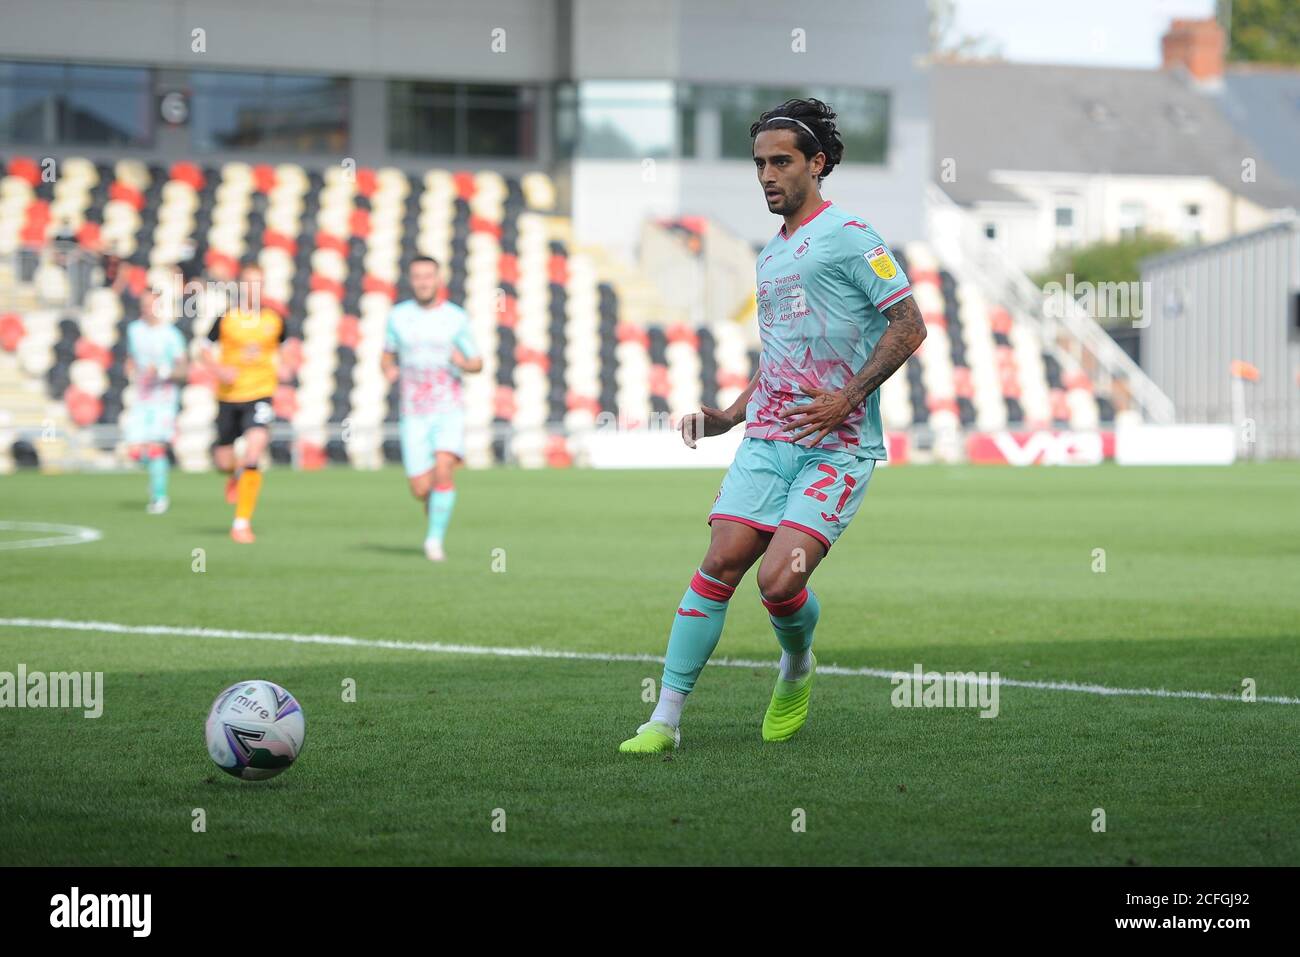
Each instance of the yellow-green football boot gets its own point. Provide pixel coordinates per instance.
(652, 737)
(788, 709)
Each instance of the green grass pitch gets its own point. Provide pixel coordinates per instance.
(971, 569)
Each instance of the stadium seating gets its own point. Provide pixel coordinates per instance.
(566, 334)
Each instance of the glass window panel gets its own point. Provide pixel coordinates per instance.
(862, 117)
(105, 115)
(627, 120)
(23, 114)
(498, 132)
(281, 112)
(434, 118)
(52, 103)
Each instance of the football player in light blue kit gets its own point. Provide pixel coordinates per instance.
(156, 364)
(836, 319)
(427, 347)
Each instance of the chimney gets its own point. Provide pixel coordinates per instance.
(1197, 46)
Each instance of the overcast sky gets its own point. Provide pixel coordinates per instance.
(1090, 32)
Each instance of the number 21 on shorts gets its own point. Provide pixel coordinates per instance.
(816, 489)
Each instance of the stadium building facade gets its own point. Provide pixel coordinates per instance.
(634, 108)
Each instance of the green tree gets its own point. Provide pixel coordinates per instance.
(1265, 31)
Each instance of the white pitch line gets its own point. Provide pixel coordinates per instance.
(67, 535)
(438, 647)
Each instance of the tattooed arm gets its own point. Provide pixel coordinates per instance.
(902, 337)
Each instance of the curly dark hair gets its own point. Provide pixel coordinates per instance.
(815, 115)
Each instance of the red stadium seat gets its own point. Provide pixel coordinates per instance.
(264, 178)
(11, 331)
(285, 402)
(659, 384)
(319, 283)
(123, 193)
(503, 403)
(88, 236)
(85, 349)
(274, 240)
(311, 456)
(527, 356)
(681, 332)
(557, 452)
(375, 284)
(628, 332)
(25, 168)
(349, 331)
(367, 182)
(465, 185)
(359, 222)
(84, 409)
(190, 173)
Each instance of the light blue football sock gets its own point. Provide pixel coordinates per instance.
(441, 502)
(159, 468)
(697, 626)
(794, 622)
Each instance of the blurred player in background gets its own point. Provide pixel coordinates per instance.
(157, 366)
(242, 353)
(836, 319)
(428, 346)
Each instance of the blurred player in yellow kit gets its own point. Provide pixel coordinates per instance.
(242, 352)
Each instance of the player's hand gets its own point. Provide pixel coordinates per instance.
(708, 421)
(391, 373)
(821, 416)
(457, 359)
(226, 375)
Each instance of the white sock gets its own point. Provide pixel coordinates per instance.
(669, 708)
(240, 523)
(796, 667)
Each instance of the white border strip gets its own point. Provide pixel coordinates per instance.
(437, 647)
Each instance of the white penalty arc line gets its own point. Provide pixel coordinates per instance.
(66, 535)
(438, 647)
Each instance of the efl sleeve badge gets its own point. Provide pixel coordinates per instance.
(880, 263)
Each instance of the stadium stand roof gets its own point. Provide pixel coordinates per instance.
(1048, 118)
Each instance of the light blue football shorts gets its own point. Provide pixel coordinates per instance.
(424, 435)
(774, 483)
(150, 422)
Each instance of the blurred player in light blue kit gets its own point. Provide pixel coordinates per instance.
(157, 366)
(428, 346)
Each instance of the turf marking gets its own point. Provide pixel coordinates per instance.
(438, 647)
(66, 535)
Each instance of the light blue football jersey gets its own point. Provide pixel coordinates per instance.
(423, 340)
(821, 296)
(158, 348)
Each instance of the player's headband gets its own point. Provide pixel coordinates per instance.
(791, 119)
